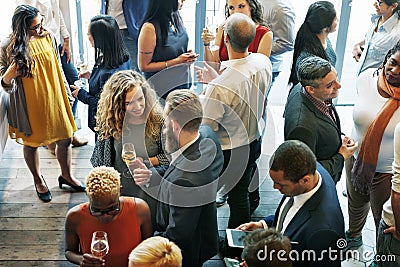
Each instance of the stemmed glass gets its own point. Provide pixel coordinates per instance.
(128, 154)
(99, 246)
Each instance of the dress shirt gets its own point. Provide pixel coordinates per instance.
(377, 44)
(326, 107)
(298, 202)
(115, 10)
(176, 154)
(233, 104)
(280, 18)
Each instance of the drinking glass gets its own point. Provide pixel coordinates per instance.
(212, 27)
(99, 246)
(128, 153)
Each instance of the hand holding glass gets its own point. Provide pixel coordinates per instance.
(99, 246)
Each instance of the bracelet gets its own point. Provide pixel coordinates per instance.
(206, 44)
(166, 64)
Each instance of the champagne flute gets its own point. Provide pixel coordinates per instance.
(99, 246)
(128, 154)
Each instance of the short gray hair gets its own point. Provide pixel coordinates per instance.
(241, 31)
(312, 69)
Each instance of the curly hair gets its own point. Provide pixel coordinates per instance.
(111, 108)
(256, 11)
(102, 182)
(18, 50)
(157, 251)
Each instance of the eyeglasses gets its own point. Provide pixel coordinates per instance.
(112, 211)
(37, 27)
(379, 3)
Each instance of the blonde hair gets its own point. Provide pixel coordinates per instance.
(103, 182)
(111, 108)
(157, 251)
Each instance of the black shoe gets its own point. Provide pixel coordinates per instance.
(45, 197)
(221, 200)
(78, 188)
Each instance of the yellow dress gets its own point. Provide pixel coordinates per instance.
(48, 108)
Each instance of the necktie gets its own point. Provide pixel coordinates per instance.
(285, 210)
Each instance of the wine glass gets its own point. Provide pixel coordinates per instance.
(128, 154)
(99, 246)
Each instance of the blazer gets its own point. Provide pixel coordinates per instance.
(304, 122)
(186, 212)
(318, 225)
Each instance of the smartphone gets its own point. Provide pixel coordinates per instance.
(195, 56)
(235, 237)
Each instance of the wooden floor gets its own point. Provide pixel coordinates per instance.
(32, 232)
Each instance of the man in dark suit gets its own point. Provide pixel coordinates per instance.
(309, 213)
(311, 117)
(186, 212)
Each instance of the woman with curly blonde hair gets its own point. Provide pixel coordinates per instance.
(129, 112)
(156, 251)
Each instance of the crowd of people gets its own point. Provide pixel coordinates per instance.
(157, 203)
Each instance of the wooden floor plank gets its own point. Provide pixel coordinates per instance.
(31, 224)
(30, 237)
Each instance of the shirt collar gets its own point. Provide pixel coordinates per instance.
(176, 154)
(389, 24)
(232, 62)
(302, 198)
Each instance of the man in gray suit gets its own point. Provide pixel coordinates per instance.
(186, 212)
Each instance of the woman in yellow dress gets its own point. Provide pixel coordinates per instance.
(39, 111)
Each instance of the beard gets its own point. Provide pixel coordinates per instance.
(171, 143)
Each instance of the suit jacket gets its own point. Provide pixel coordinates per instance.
(318, 225)
(304, 122)
(186, 213)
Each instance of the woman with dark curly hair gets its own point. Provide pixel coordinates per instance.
(312, 36)
(383, 32)
(129, 112)
(39, 112)
(369, 173)
(262, 42)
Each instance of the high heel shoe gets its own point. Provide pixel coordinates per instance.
(78, 188)
(45, 197)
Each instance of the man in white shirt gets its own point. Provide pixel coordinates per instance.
(233, 106)
(309, 213)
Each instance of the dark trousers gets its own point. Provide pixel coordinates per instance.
(71, 74)
(239, 167)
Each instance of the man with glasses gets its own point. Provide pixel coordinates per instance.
(126, 220)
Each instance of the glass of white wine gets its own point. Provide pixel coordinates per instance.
(99, 246)
(128, 154)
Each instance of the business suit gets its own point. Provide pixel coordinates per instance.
(304, 122)
(319, 223)
(186, 213)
